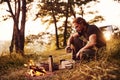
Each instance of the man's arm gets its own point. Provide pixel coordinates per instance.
(91, 43)
(69, 42)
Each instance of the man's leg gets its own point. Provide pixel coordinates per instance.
(88, 54)
(77, 44)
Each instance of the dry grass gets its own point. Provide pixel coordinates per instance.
(106, 68)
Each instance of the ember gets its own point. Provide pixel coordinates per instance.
(35, 70)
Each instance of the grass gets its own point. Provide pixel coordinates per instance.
(106, 68)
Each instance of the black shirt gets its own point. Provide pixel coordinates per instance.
(92, 29)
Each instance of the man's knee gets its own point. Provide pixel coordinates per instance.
(88, 54)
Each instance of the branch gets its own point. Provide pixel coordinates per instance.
(10, 9)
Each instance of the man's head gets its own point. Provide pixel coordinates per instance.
(79, 24)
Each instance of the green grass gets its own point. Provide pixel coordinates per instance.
(106, 68)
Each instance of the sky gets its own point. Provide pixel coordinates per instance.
(107, 8)
(110, 10)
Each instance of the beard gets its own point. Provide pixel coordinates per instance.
(80, 32)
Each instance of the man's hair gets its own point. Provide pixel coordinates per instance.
(80, 20)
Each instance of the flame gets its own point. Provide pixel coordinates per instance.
(31, 63)
(35, 70)
(31, 72)
(37, 73)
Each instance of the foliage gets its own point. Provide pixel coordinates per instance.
(42, 42)
(8, 62)
(96, 19)
(60, 10)
(57, 10)
(114, 50)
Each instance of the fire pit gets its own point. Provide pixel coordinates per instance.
(43, 69)
(37, 71)
(34, 70)
(40, 70)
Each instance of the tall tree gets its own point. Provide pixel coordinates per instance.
(50, 9)
(18, 36)
(55, 22)
(66, 22)
(61, 9)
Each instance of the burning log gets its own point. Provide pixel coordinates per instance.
(35, 70)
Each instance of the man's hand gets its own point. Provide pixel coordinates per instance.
(68, 49)
(79, 53)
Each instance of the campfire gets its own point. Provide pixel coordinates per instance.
(35, 70)
(46, 69)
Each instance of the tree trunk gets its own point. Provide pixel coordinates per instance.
(72, 11)
(56, 31)
(17, 41)
(65, 30)
(22, 30)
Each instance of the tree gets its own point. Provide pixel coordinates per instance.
(66, 21)
(59, 9)
(55, 22)
(18, 36)
(49, 9)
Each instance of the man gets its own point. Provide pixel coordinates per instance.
(85, 40)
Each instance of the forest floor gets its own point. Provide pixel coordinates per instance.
(106, 68)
